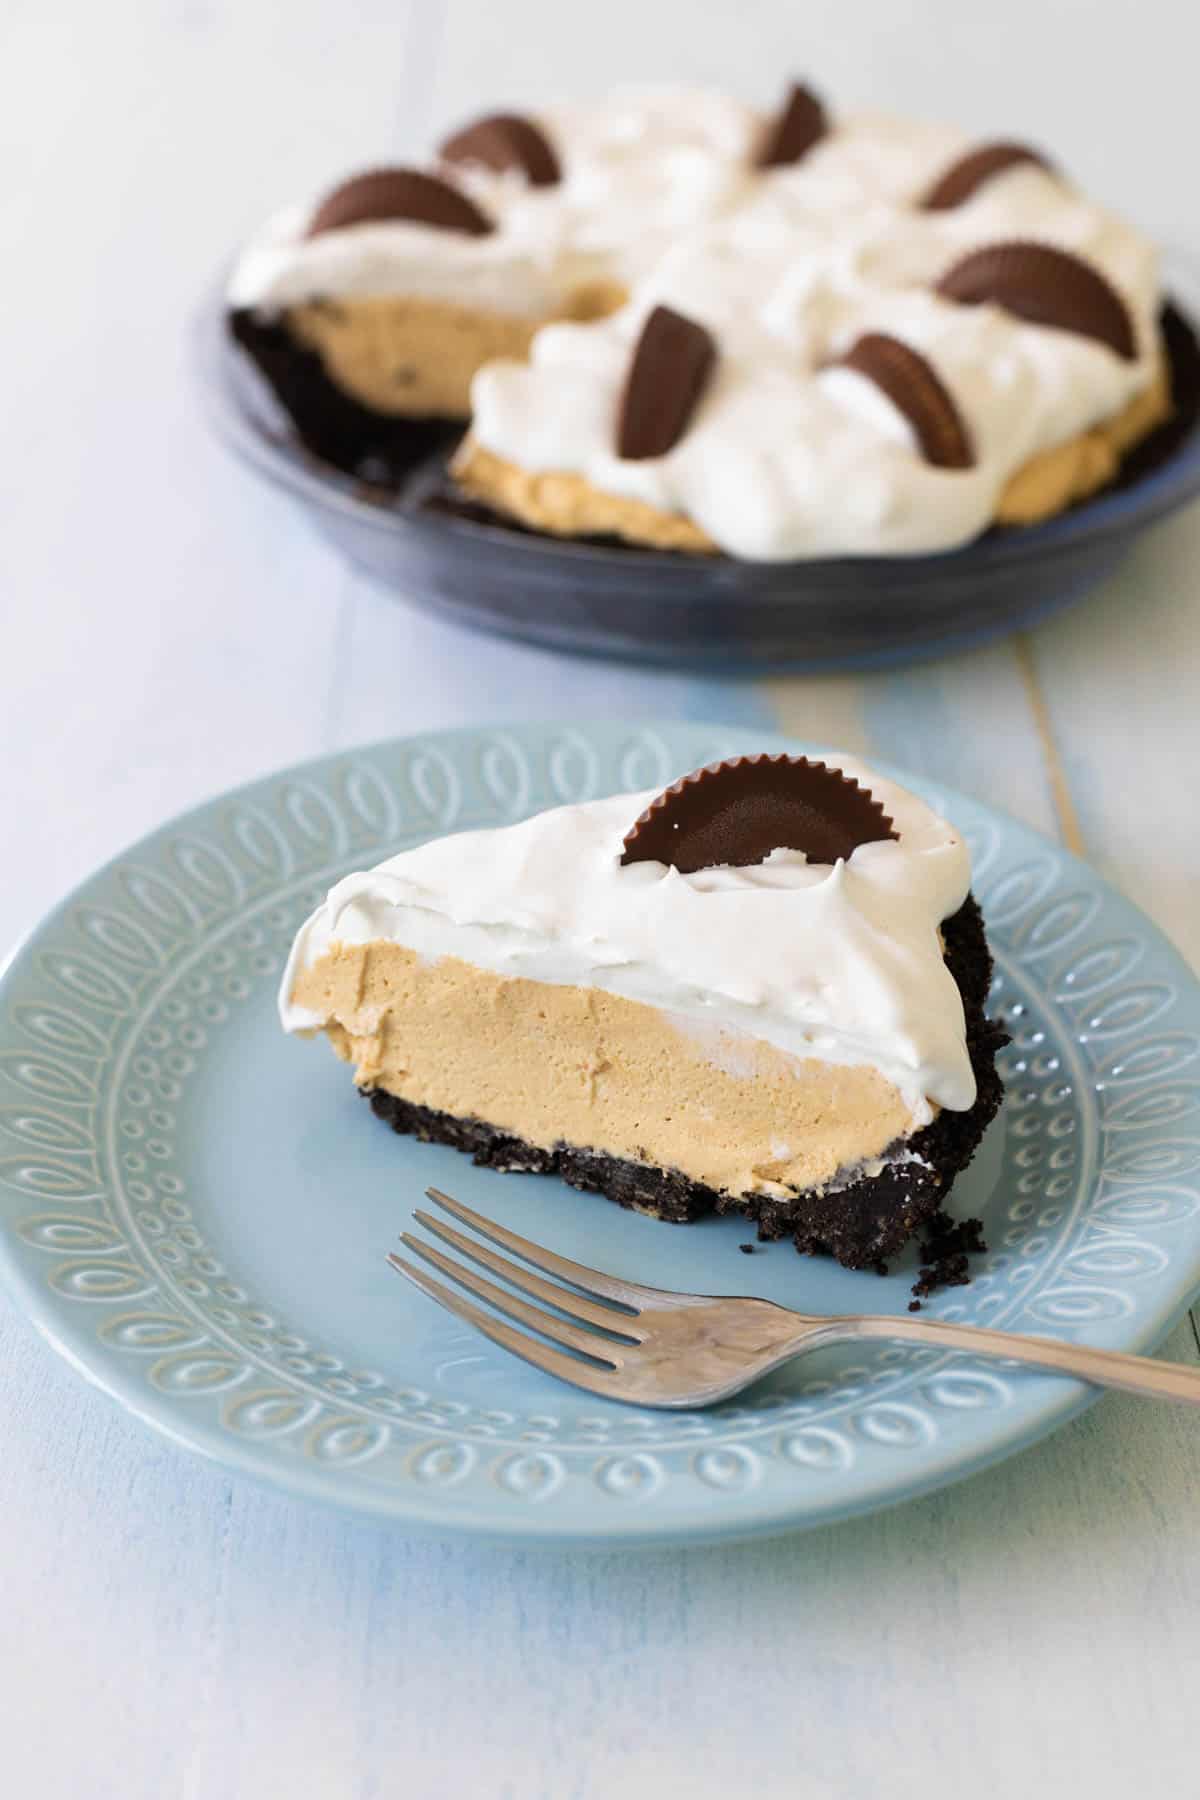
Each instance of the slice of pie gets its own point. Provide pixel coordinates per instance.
(762, 990)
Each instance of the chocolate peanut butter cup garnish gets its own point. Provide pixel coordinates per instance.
(964, 178)
(800, 123)
(736, 812)
(915, 389)
(505, 141)
(382, 194)
(669, 370)
(1045, 287)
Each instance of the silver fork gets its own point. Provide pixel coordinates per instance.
(652, 1347)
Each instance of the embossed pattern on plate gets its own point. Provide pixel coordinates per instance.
(196, 1208)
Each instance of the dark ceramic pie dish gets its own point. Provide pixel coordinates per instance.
(715, 614)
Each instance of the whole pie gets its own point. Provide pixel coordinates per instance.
(673, 319)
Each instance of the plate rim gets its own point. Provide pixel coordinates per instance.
(1062, 1400)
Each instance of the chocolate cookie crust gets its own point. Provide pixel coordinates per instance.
(861, 1224)
(333, 426)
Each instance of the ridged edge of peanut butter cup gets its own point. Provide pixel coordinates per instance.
(1043, 286)
(379, 195)
(672, 362)
(735, 813)
(964, 177)
(505, 141)
(917, 391)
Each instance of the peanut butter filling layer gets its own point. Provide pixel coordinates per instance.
(408, 356)
(568, 505)
(405, 355)
(557, 1064)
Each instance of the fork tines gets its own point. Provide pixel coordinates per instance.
(596, 1333)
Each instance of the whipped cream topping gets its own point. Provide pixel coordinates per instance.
(841, 962)
(283, 267)
(786, 457)
(636, 170)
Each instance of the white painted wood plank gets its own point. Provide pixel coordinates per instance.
(174, 623)
(406, 670)
(1121, 678)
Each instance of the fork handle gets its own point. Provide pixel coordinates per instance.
(1105, 1368)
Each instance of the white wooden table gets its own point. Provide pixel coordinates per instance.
(170, 627)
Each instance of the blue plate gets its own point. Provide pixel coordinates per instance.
(715, 614)
(195, 1209)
